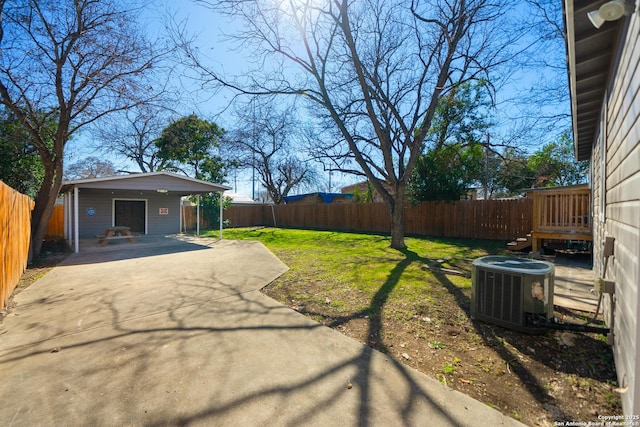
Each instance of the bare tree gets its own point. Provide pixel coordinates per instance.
(132, 134)
(544, 103)
(90, 167)
(71, 62)
(268, 140)
(374, 68)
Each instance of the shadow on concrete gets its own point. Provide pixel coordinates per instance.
(144, 246)
(181, 335)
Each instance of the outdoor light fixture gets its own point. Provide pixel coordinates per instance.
(610, 11)
(162, 190)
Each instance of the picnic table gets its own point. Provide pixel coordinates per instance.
(116, 232)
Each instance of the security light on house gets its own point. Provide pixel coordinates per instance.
(610, 11)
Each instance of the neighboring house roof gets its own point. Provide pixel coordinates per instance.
(590, 54)
(558, 188)
(326, 197)
(149, 181)
(352, 187)
(363, 188)
(239, 199)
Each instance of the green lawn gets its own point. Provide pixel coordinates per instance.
(338, 263)
(388, 300)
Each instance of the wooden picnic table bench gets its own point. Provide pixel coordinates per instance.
(116, 232)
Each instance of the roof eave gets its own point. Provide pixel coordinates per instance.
(591, 59)
(571, 68)
(87, 183)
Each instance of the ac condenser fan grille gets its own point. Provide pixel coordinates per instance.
(499, 296)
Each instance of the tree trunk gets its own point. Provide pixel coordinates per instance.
(43, 209)
(397, 219)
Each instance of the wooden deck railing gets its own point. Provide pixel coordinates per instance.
(562, 213)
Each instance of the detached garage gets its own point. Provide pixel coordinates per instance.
(147, 203)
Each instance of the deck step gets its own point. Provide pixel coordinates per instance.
(520, 243)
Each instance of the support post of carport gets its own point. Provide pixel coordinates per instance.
(198, 215)
(180, 222)
(67, 217)
(76, 228)
(221, 201)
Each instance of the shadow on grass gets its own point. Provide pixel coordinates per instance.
(509, 345)
(210, 339)
(492, 336)
(374, 312)
(491, 339)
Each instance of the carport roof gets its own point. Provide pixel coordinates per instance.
(149, 181)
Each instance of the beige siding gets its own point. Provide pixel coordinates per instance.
(622, 212)
(597, 201)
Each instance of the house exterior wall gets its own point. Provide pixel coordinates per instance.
(362, 190)
(96, 210)
(615, 170)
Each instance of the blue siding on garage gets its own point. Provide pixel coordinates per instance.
(100, 203)
(163, 224)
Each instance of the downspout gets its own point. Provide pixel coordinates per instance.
(221, 215)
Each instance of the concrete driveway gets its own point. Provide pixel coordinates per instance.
(177, 333)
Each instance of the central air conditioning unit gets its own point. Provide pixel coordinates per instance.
(512, 292)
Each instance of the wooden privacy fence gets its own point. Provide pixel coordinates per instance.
(55, 227)
(477, 219)
(15, 237)
(189, 218)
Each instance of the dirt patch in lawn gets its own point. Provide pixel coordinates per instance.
(537, 379)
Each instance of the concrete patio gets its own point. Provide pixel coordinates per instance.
(172, 332)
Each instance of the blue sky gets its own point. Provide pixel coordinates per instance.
(208, 28)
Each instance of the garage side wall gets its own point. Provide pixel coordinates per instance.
(96, 210)
(167, 222)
